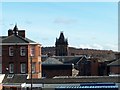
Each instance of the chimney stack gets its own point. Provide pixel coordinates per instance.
(21, 33)
(16, 32)
(10, 32)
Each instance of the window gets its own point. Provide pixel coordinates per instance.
(11, 51)
(22, 51)
(23, 68)
(11, 68)
(32, 51)
(33, 67)
(44, 75)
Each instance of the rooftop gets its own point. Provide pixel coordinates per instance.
(62, 80)
(15, 36)
(115, 63)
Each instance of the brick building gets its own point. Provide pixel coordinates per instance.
(52, 67)
(84, 65)
(114, 67)
(17, 51)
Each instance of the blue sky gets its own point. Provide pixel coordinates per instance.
(85, 24)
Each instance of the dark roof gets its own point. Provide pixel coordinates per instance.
(16, 78)
(62, 80)
(29, 40)
(3, 37)
(80, 79)
(51, 60)
(69, 59)
(15, 39)
(115, 63)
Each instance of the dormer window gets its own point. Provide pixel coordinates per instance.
(22, 51)
(11, 51)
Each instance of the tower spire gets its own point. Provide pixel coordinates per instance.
(61, 45)
(61, 35)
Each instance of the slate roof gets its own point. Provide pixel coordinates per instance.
(80, 79)
(15, 39)
(69, 59)
(3, 37)
(115, 63)
(17, 78)
(50, 60)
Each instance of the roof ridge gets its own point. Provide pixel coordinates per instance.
(22, 38)
(114, 62)
(16, 36)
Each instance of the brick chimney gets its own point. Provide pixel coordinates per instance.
(10, 32)
(16, 31)
(21, 33)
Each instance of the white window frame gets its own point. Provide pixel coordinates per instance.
(23, 68)
(11, 68)
(11, 51)
(32, 51)
(33, 67)
(22, 51)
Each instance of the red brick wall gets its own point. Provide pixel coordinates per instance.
(16, 58)
(94, 67)
(88, 67)
(115, 69)
(35, 59)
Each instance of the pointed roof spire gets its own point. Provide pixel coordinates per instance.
(15, 30)
(61, 35)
